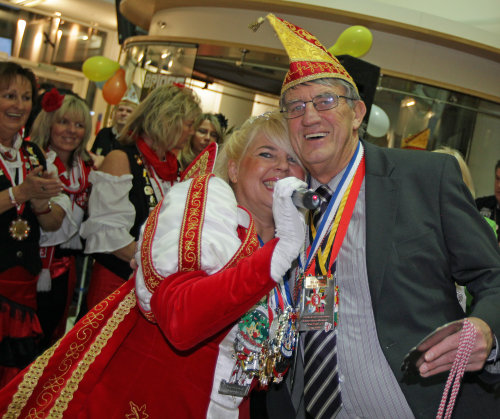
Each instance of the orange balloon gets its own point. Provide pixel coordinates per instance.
(114, 89)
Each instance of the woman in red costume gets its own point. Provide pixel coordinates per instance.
(210, 314)
(62, 129)
(25, 190)
(132, 180)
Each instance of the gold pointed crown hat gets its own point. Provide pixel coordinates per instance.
(309, 60)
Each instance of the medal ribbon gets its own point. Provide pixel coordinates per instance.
(334, 205)
(341, 206)
(340, 224)
(279, 291)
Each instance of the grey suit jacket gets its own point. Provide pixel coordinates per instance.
(423, 234)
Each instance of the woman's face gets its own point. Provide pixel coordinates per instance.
(15, 107)
(187, 131)
(204, 135)
(67, 134)
(263, 164)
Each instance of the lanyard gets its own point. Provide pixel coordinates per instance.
(333, 206)
(3, 167)
(341, 207)
(280, 290)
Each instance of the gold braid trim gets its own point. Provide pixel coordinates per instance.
(249, 245)
(61, 404)
(50, 389)
(29, 382)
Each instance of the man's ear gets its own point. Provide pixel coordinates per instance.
(232, 171)
(359, 113)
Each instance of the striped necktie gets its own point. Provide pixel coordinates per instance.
(324, 193)
(321, 380)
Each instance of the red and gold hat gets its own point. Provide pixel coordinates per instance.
(309, 60)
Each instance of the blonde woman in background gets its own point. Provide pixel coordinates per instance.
(62, 129)
(132, 180)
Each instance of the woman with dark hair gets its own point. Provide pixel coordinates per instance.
(208, 130)
(132, 180)
(25, 191)
(62, 129)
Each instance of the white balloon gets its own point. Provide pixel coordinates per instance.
(378, 122)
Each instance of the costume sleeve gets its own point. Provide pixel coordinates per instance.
(473, 250)
(69, 227)
(111, 214)
(191, 307)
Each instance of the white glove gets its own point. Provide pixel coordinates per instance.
(290, 226)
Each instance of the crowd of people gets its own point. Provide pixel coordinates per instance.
(220, 295)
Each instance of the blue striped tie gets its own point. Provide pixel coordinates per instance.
(321, 378)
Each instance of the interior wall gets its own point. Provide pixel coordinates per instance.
(410, 57)
(485, 151)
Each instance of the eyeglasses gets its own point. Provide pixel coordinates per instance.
(321, 103)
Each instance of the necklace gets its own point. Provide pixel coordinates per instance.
(9, 155)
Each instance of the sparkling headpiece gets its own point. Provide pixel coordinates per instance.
(309, 60)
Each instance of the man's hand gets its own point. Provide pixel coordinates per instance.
(440, 357)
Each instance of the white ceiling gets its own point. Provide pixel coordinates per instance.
(480, 14)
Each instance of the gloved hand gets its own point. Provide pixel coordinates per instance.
(290, 226)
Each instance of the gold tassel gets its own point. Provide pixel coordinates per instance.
(256, 25)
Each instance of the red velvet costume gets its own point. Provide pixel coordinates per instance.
(116, 363)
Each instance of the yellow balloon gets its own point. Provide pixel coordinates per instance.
(355, 41)
(99, 68)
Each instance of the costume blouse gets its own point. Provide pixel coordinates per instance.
(117, 362)
(118, 206)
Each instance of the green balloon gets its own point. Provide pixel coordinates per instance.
(355, 41)
(99, 68)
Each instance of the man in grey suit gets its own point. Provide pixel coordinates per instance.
(411, 231)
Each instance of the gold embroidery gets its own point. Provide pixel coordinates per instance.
(29, 382)
(151, 277)
(51, 387)
(95, 349)
(192, 224)
(199, 167)
(137, 412)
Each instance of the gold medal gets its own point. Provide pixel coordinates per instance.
(19, 229)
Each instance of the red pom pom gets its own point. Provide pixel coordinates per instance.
(52, 100)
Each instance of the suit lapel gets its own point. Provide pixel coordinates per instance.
(381, 198)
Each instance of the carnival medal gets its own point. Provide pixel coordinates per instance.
(19, 229)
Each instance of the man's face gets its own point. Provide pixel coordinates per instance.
(122, 112)
(497, 185)
(324, 140)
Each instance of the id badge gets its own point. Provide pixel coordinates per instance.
(318, 303)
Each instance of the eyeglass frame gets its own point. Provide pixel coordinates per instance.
(305, 102)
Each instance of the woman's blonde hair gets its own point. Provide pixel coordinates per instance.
(72, 106)
(466, 176)
(161, 116)
(187, 154)
(271, 124)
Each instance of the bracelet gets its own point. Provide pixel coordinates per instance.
(49, 208)
(12, 197)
